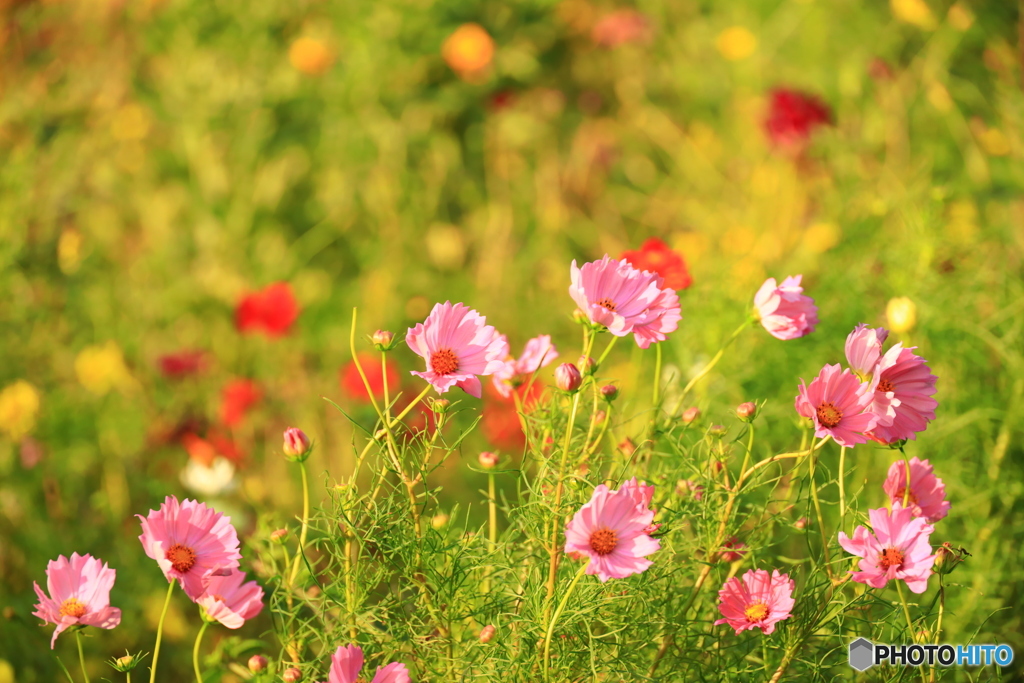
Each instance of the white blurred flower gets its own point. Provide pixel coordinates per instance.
(217, 478)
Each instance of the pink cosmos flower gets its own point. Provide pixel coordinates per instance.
(458, 345)
(896, 548)
(838, 403)
(642, 494)
(538, 353)
(79, 594)
(927, 497)
(864, 348)
(228, 600)
(623, 299)
(612, 531)
(784, 310)
(760, 600)
(347, 662)
(907, 376)
(189, 541)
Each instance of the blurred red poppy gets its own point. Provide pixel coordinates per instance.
(352, 384)
(271, 311)
(793, 116)
(237, 398)
(181, 364)
(657, 257)
(500, 417)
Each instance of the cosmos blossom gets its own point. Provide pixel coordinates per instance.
(927, 496)
(347, 663)
(458, 345)
(907, 377)
(838, 403)
(897, 547)
(612, 530)
(79, 593)
(657, 257)
(759, 600)
(864, 348)
(538, 353)
(784, 310)
(189, 541)
(229, 599)
(625, 300)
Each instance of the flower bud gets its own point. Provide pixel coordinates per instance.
(801, 523)
(587, 365)
(901, 313)
(610, 392)
(439, 520)
(297, 446)
(440, 405)
(383, 340)
(717, 431)
(600, 416)
(487, 633)
(568, 378)
(126, 663)
(746, 411)
(488, 460)
(690, 415)
(291, 675)
(279, 536)
(257, 663)
(627, 447)
(947, 558)
(580, 317)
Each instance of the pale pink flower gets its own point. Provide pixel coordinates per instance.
(538, 353)
(760, 600)
(79, 594)
(347, 662)
(907, 377)
(230, 600)
(642, 494)
(784, 310)
(458, 346)
(838, 403)
(864, 348)
(611, 530)
(625, 300)
(896, 548)
(927, 497)
(189, 541)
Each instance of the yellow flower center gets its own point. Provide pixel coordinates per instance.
(182, 557)
(890, 557)
(72, 607)
(911, 498)
(444, 362)
(828, 415)
(604, 541)
(756, 612)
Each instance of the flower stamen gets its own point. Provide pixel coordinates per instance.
(604, 541)
(828, 415)
(756, 612)
(885, 386)
(444, 361)
(607, 303)
(181, 557)
(72, 607)
(890, 557)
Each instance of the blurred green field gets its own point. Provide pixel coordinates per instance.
(161, 159)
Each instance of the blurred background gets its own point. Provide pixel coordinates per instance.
(194, 196)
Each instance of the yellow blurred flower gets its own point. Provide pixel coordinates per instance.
(914, 12)
(994, 142)
(69, 251)
(19, 406)
(736, 43)
(468, 50)
(445, 246)
(821, 237)
(131, 122)
(101, 368)
(939, 97)
(310, 56)
(960, 17)
(901, 313)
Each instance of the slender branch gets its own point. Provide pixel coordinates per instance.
(160, 632)
(195, 651)
(710, 366)
(556, 615)
(81, 655)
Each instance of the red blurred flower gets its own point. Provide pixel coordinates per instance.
(181, 364)
(237, 398)
(620, 27)
(657, 257)
(500, 419)
(204, 451)
(352, 384)
(793, 116)
(271, 311)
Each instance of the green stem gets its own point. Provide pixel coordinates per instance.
(817, 512)
(657, 378)
(556, 615)
(492, 528)
(906, 487)
(711, 364)
(195, 651)
(305, 524)
(81, 655)
(607, 349)
(842, 487)
(160, 633)
(910, 623)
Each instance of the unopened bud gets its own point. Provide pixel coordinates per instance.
(383, 340)
(439, 520)
(587, 365)
(610, 392)
(257, 663)
(801, 523)
(440, 405)
(487, 633)
(580, 317)
(746, 411)
(627, 447)
(279, 536)
(947, 558)
(126, 663)
(291, 675)
(297, 446)
(717, 431)
(600, 416)
(568, 378)
(690, 415)
(488, 460)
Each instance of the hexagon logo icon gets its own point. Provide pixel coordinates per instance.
(862, 654)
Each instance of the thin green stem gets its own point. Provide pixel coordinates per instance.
(492, 528)
(842, 487)
(299, 554)
(81, 655)
(656, 392)
(160, 633)
(710, 366)
(195, 651)
(938, 624)
(910, 624)
(607, 349)
(906, 486)
(556, 615)
(817, 512)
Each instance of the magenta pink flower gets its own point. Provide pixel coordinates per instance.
(838, 404)
(458, 346)
(623, 299)
(79, 594)
(927, 497)
(760, 600)
(538, 353)
(189, 541)
(228, 599)
(347, 662)
(907, 377)
(612, 531)
(784, 310)
(896, 548)
(864, 348)
(642, 494)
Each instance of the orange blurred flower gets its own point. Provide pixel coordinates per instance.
(621, 27)
(237, 398)
(352, 384)
(469, 50)
(310, 56)
(657, 257)
(500, 417)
